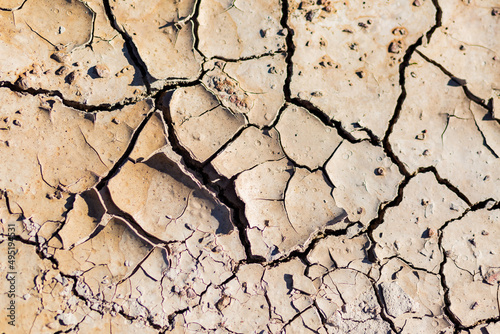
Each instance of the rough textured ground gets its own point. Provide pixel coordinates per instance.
(249, 166)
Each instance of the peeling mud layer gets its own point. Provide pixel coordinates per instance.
(250, 166)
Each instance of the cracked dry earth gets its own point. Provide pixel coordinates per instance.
(249, 166)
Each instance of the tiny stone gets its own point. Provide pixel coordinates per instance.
(395, 47)
(70, 78)
(22, 82)
(102, 71)
(282, 32)
(492, 277)
(190, 293)
(400, 31)
(310, 15)
(61, 29)
(37, 70)
(44, 105)
(495, 11)
(60, 57)
(417, 3)
(380, 171)
(223, 303)
(16, 122)
(67, 319)
(62, 70)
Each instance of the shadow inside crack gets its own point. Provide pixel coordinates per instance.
(137, 80)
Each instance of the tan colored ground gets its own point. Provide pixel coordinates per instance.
(249, 166)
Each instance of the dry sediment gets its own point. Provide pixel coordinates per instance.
(249, 166)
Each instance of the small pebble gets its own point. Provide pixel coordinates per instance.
(190, 293)
(60, 57)
(395, 47)
(22, 82)
(102, 71)
(310, 15)
(70, 78)
(62, 70)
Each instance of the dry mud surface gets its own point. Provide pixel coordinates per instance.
(249, 166)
